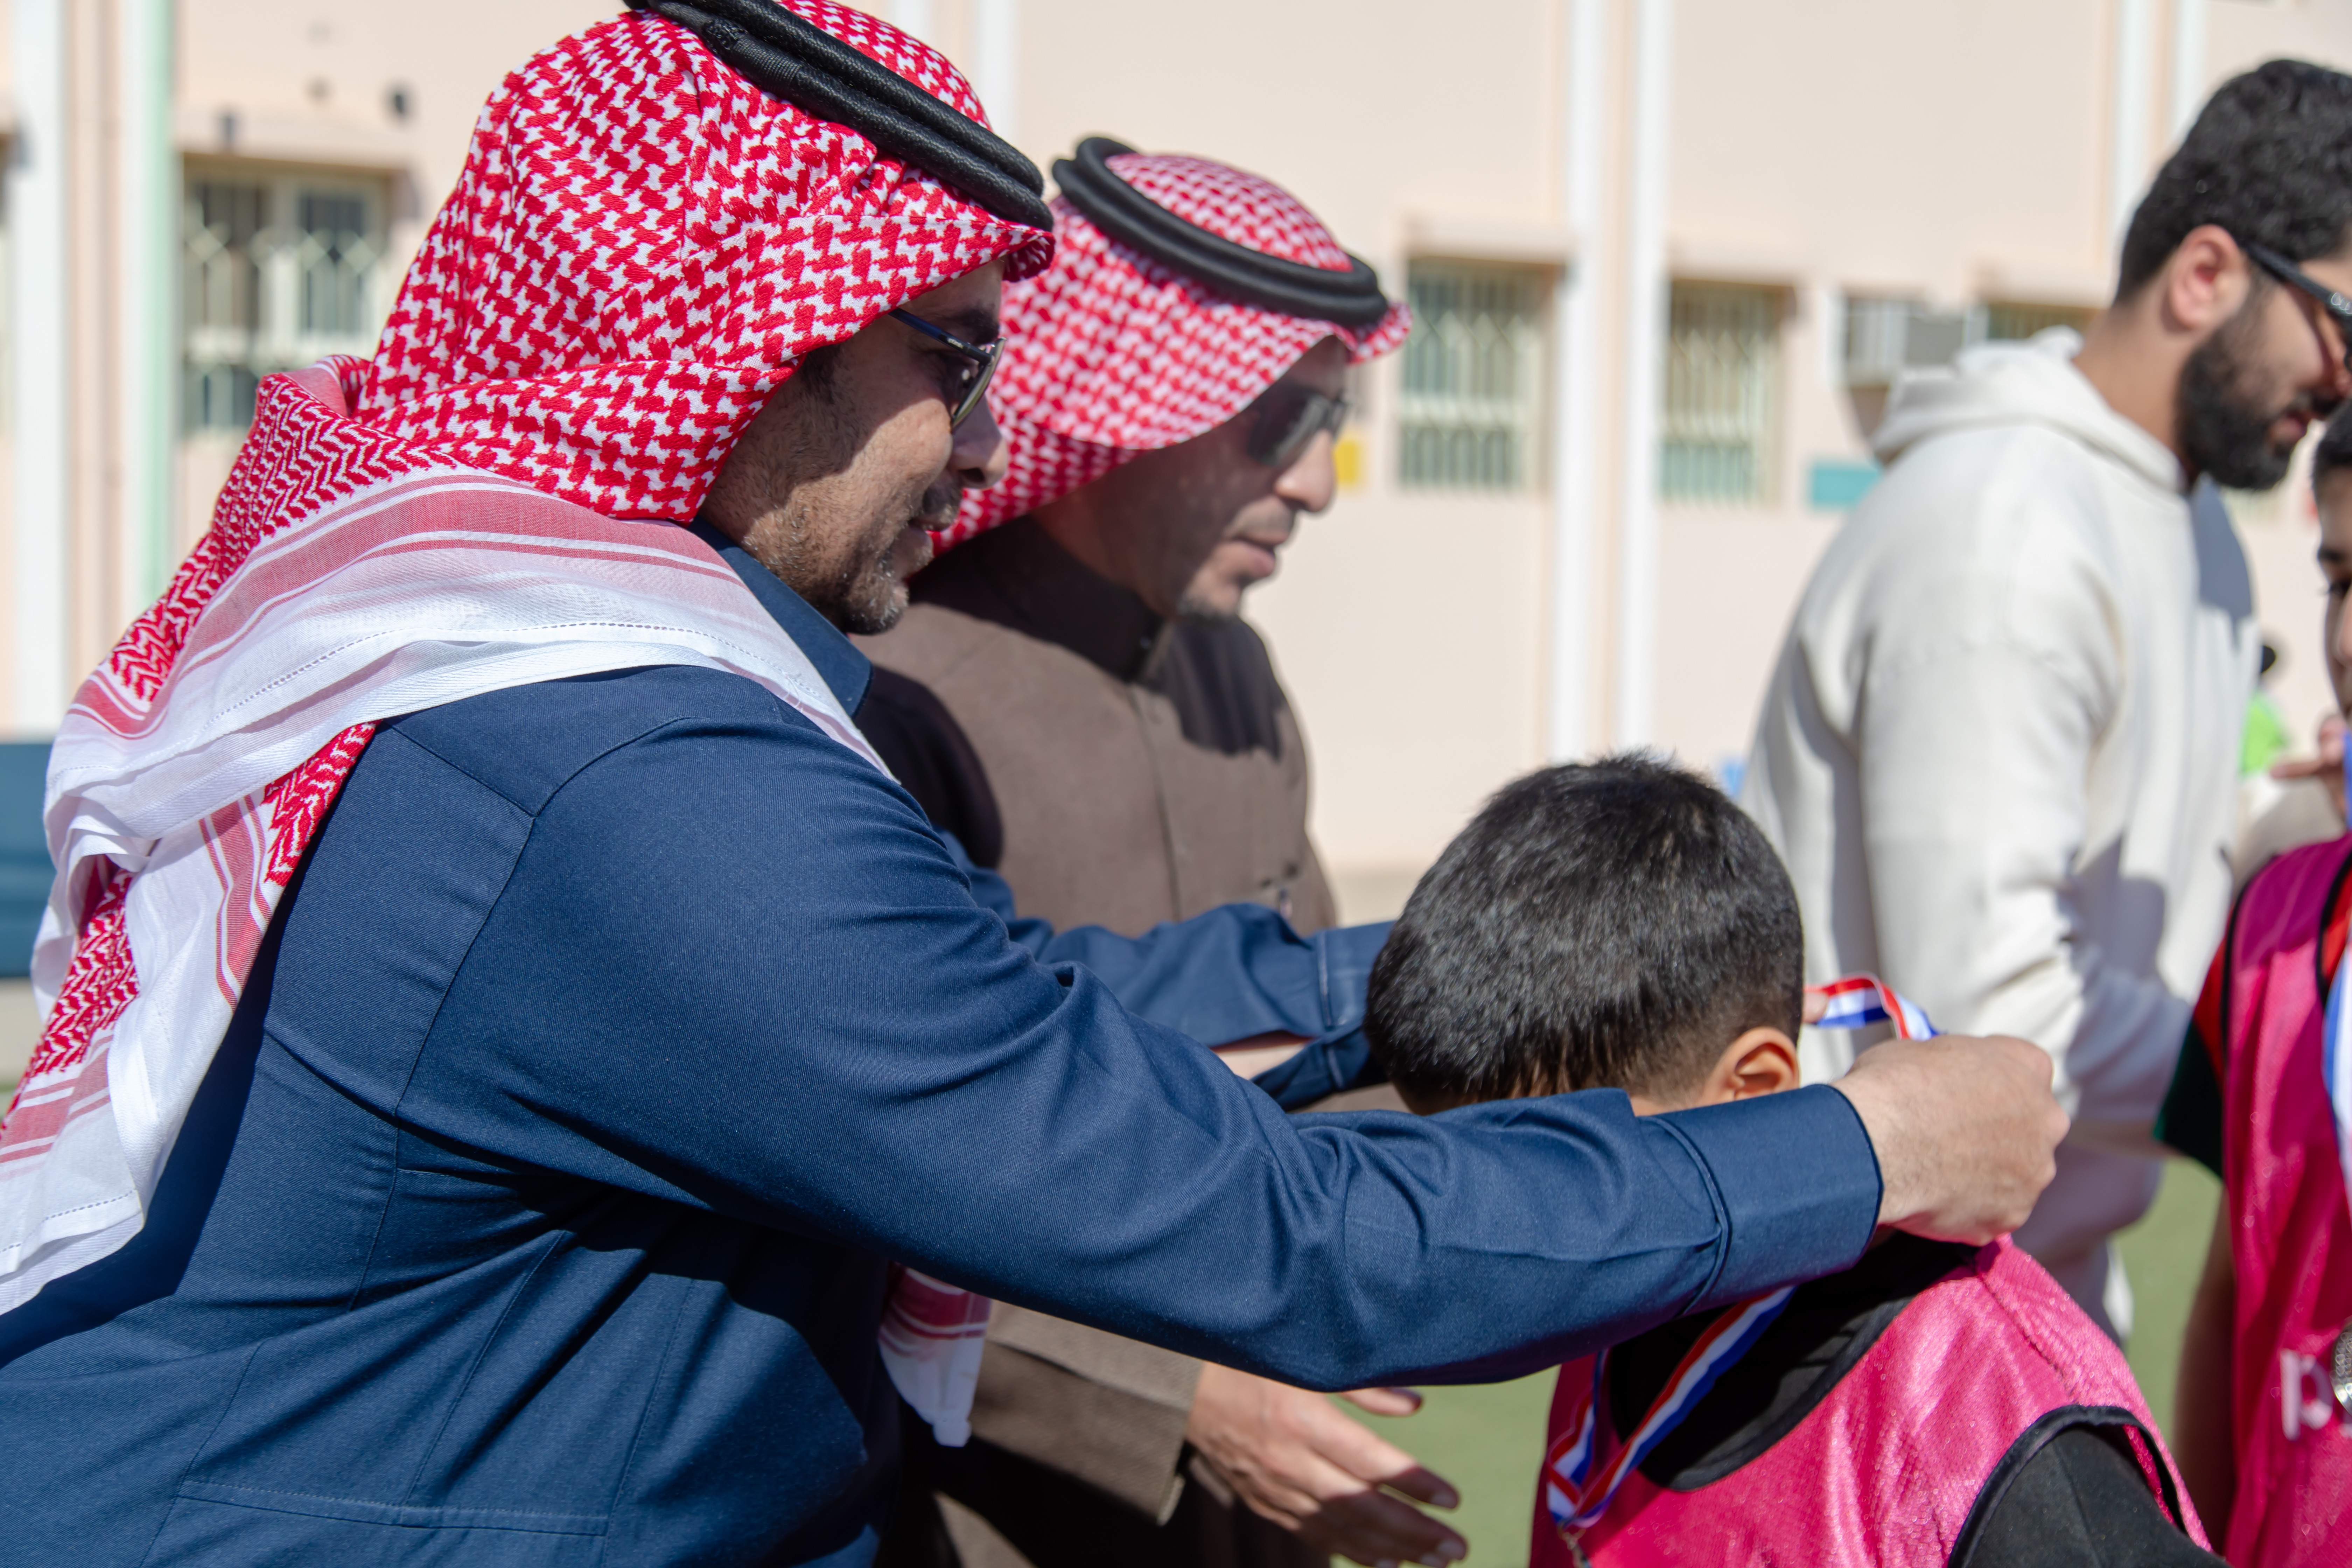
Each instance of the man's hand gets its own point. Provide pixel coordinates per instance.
(1319, 1475)
(2327, 766)
(1965, 1130)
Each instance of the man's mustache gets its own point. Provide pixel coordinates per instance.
(941, 504)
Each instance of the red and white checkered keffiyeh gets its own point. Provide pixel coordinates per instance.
(640, 248)
(1109, 354)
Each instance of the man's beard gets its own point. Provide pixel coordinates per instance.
(866, 592)
(861, 588)
(2225, 422)
(1195, 608)
(868, 596)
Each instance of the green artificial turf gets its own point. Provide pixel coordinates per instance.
(2163, 1255)
(1488, 1441)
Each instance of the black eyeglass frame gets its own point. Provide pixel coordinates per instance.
(1320, 412)
(2338, 308)
(984, 356)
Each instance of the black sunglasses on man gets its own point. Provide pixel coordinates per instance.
(1285, 418)
(2337, 307)
(979, 366)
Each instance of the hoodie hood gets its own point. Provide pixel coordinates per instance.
(2029, 383)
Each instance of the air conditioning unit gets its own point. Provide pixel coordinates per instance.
(1886, 337)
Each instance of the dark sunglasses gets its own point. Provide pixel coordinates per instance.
(1287, 418)
(2337, 307)
(980, 364)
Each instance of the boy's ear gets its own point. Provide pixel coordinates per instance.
(1762, 1061)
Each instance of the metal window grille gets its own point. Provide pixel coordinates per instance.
(334, 255)
(222, 311)
(2009, 320)
(1722, 393)
(1473, 394)
(275, 273)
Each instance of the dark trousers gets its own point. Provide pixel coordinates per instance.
(1053, 1521)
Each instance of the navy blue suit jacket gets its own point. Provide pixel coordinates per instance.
(615, 1033)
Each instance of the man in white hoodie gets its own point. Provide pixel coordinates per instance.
(1999, 751)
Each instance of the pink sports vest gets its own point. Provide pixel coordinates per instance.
(1887, 1468)
(2293, 1235)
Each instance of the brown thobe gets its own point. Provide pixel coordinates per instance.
(1117, 770)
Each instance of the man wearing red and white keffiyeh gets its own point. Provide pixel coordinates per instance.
(502, 1023)
(438, 524)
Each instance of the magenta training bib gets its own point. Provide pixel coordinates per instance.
(1887, 1468)
(2291, 1241)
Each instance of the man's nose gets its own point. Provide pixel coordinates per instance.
(1313, 478)
(979, 455)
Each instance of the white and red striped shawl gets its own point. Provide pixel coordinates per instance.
(638, 251)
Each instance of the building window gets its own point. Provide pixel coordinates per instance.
(1722, 393)
(1884, 337)
(1469, 416)
(278, 271)
(2007, 321)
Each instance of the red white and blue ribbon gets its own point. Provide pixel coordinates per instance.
(1576, 1491)
(1858, 1001)
(2335, 1055)
(1577, 1486)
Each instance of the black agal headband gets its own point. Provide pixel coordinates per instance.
(1351, 299)
(789, 57)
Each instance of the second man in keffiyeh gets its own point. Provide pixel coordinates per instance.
(1074, 693)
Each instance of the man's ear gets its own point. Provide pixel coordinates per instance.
(1762, 1061)
(2205, 281)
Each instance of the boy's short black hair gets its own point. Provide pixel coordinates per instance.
(1602, 924)
(2334, 452)
(2270, 159)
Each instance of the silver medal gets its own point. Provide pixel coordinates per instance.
(2339, 1369)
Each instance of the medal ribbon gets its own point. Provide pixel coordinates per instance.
(2335, 1071)
(1858, 1001)
(2337, 1059)
(1576, 1493)
(2335, 1055)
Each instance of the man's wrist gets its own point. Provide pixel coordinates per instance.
(1884, 1119)
(1799, 1184)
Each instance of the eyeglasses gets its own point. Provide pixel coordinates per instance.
(1287, 418)
(2337, 307)
(979, 366)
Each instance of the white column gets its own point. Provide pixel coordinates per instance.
(2188, 65)
(2127, 134)
(914, 17)
(996, 63)
(1645, 327)
(37, 395)
(1577, 475)
(146, 226)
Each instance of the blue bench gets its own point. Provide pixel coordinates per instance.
(24, 855)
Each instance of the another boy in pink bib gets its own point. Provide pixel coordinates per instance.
(2262, 1097)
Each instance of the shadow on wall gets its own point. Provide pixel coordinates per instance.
(24, 853)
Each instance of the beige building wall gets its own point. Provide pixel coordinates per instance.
(385, 94)
(1437, 642)
(1954, 152)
